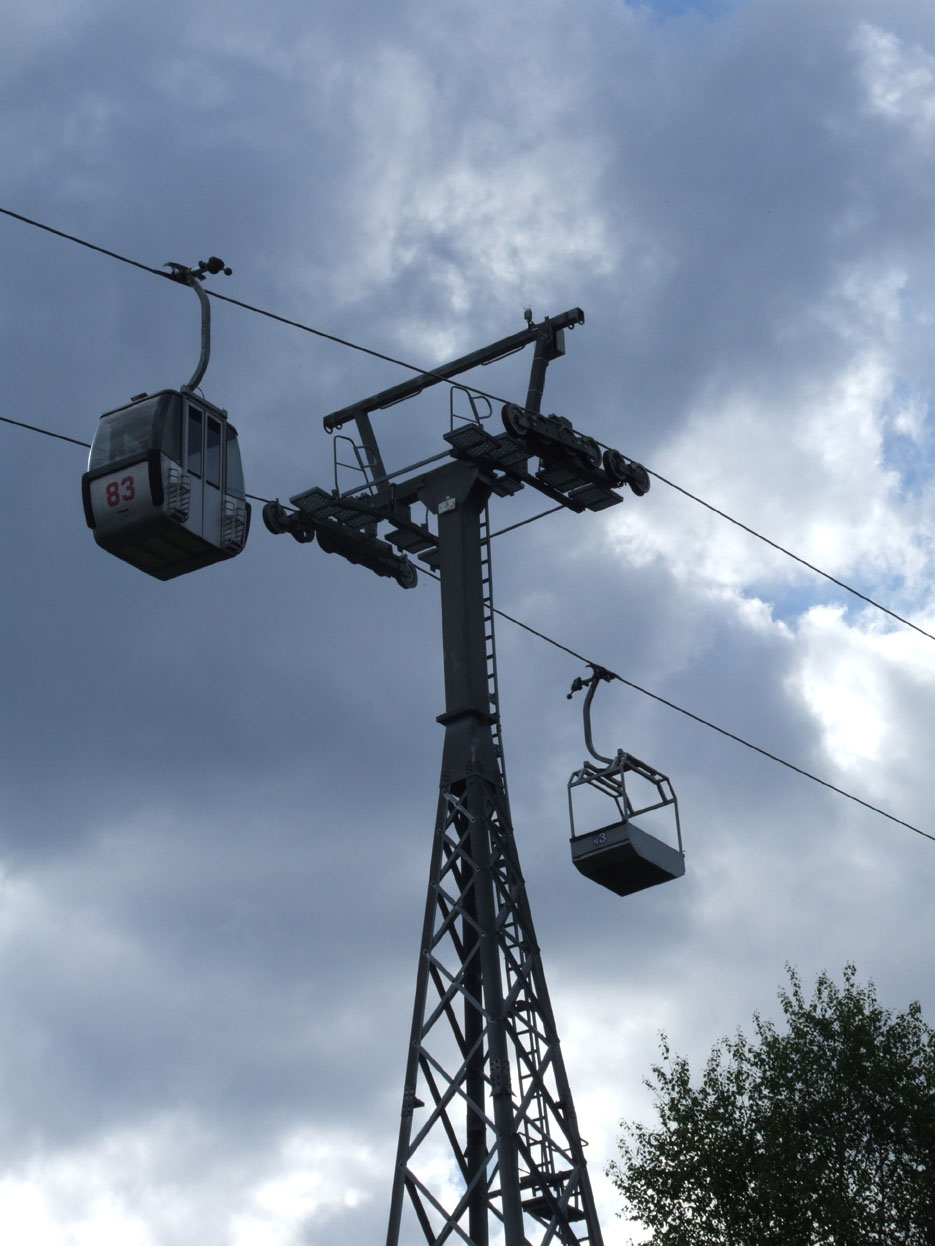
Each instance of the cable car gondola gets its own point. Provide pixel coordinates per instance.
(621, 855)
(164, 489)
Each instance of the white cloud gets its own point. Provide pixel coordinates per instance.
(159, 1184)
(806, 468)
(854, 679)
(899, 79)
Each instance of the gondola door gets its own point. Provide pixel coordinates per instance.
(195, 465)
(214, 475)
(205, 436)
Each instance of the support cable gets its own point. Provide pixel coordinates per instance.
(401, 363)
(581, 658)
(721, 730)
(704, 722)
(46, 432)
(795, 557)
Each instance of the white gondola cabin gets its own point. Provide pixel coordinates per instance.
(621, 855)
(164, 489)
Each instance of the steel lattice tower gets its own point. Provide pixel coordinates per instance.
(489, 1149)
(485, 1088)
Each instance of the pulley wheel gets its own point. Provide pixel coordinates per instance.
(589, 451)
(616, 467)
(515, 420)
(276, 517)
(638, 479)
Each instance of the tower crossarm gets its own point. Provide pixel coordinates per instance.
(550, 331)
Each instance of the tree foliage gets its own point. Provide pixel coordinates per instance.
(820, 1135)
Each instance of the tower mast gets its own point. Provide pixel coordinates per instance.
(488, 1150)
(485, 1086)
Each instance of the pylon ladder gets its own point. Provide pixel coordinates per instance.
(490, 643)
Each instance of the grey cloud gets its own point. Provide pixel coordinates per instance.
(220, 792)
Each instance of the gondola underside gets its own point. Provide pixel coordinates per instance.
(625, 859)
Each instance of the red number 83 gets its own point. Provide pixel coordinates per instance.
(115, 497)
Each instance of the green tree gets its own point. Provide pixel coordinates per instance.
(820, 1135)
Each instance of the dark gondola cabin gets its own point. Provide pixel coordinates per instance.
(164, 489)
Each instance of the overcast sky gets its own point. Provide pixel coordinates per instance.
(219, 792)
